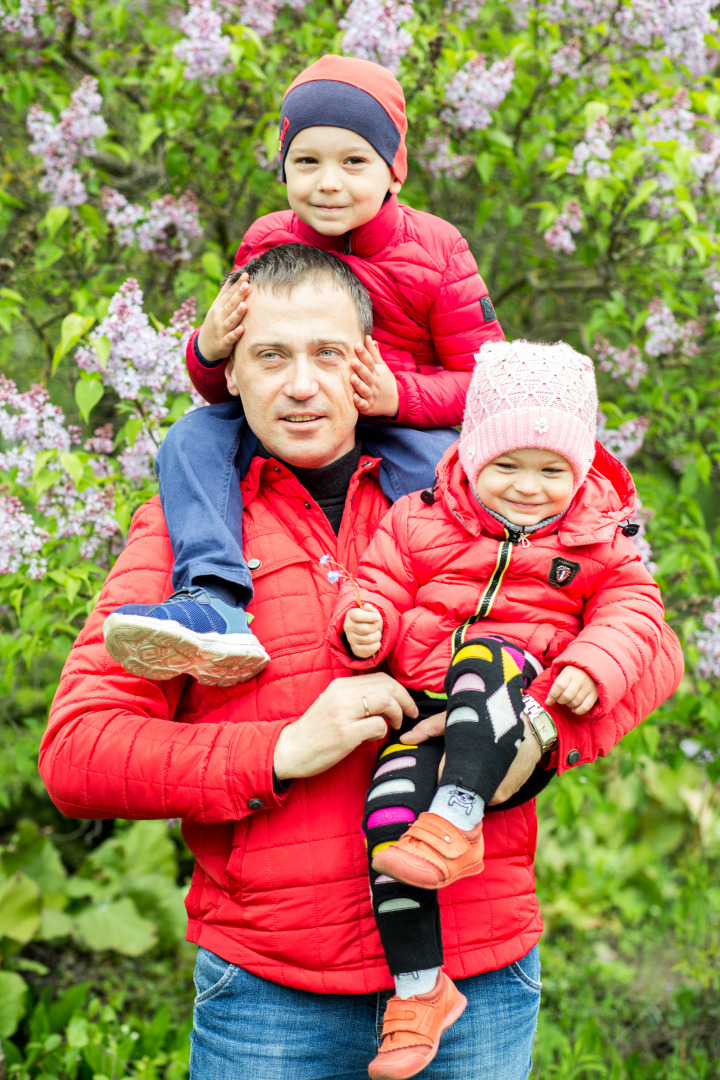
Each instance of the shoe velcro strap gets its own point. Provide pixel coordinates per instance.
(418, 1019)
(440, 835)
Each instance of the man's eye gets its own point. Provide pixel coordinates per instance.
(329, 354)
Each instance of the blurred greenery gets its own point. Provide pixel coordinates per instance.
(91, 915)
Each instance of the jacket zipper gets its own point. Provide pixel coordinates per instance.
(492, 588)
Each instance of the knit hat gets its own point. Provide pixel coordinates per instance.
(524, 394)
(344, 92)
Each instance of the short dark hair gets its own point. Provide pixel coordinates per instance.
(287, 265)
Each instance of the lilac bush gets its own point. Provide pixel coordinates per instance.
(63, 144)
(375, 30)
(476, 92)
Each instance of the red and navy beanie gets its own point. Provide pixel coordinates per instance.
(344, 92)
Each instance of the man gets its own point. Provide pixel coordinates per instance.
(269, 776)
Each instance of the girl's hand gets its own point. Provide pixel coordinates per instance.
(575, 689)
(363, 628)
(223, 327)
(375, 391)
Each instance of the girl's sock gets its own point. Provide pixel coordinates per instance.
(416, 982)
(462, 808)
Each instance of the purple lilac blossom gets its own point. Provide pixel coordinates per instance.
(24, 23)
(141, 358)
(21, 540)
(437, 158)
(204, 50)
(559, 237)
(626, 364)
(374, 30)
(707, 643)
(565, 62)
(63, 144)
(475, 91)
(590, 157)
(623, 441)
(665, 333)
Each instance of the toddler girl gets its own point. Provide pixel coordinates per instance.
(514, 574)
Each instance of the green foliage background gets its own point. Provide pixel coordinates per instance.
(94, 975)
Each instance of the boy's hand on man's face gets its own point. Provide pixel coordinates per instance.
(375, 391)
(223, 323)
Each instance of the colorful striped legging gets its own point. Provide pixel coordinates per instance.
(484, 685)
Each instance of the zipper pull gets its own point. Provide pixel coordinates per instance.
(346, 244)
(524, 541)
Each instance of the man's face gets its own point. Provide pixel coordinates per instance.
(292, 370)
(336, 181)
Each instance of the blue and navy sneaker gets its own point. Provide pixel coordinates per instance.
(192, 633)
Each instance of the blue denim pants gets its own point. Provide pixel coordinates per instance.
(206, 452)
(246, 1028)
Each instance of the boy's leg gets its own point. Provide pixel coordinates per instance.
(202, 629)
(409, 455)
(484, 686)
(426, 1002)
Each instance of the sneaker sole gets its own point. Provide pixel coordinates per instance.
(390, 1073)
(159, 650)
(395, 866)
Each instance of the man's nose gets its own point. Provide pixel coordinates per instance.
(302, 382)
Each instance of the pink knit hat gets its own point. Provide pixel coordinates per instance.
(524, 394)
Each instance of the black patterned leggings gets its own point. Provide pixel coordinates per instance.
(484, 685)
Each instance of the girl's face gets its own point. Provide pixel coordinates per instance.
(526, 486)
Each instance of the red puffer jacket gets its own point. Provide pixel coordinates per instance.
(426, 294)
(280, 882)
(430, 568)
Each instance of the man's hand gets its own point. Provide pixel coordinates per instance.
(575, 689)
(363, 628)
(223, 323)
(338, 722)
(375, 391)
(522, 768)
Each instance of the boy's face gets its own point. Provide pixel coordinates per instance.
(526, 486)
(336, 181)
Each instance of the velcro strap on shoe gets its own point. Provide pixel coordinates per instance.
(440, 835)
(416, 1019)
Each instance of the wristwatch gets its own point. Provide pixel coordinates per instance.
(541, 722)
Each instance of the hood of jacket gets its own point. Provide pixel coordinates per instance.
(606, 498)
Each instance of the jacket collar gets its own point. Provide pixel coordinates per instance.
(267, 472)
(606, 498)
(367, 240)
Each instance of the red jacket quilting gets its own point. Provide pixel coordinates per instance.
(426, 294)
(279, 888)
(428, 567)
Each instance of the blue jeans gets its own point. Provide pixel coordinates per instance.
(205, 454)
(246, 1028)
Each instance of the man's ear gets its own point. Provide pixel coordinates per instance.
(230, 378)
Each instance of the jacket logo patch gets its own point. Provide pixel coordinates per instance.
(562, 571)
(487, 309)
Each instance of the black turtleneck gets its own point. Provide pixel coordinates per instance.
(328, 484)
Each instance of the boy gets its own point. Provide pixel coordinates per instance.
(342, 142)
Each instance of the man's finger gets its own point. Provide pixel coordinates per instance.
(426, 729)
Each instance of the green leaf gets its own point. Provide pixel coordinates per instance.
(485, 164)
(688, 210)
(55, 219)
(74, 466)
(20, 906)
(102, 347)
(8, 200)
(115, 926)
(74, 326)
(642, 194)
(213, 266)
(648, 230)
(149, 132)
(13, 992)
(593, 110)
(87, 394)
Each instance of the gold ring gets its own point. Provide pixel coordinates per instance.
(365, 706)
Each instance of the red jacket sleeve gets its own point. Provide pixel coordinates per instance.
(461, 320)
(113, 748)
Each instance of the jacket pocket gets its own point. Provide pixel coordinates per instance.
(287, 619)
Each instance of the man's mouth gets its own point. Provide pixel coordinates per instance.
(297, 418)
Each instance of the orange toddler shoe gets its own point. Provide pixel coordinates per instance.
(432, 853)
(412, 1028)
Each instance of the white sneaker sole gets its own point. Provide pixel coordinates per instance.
(159, 650)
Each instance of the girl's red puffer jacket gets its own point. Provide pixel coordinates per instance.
(431, 308)
(575, 592)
